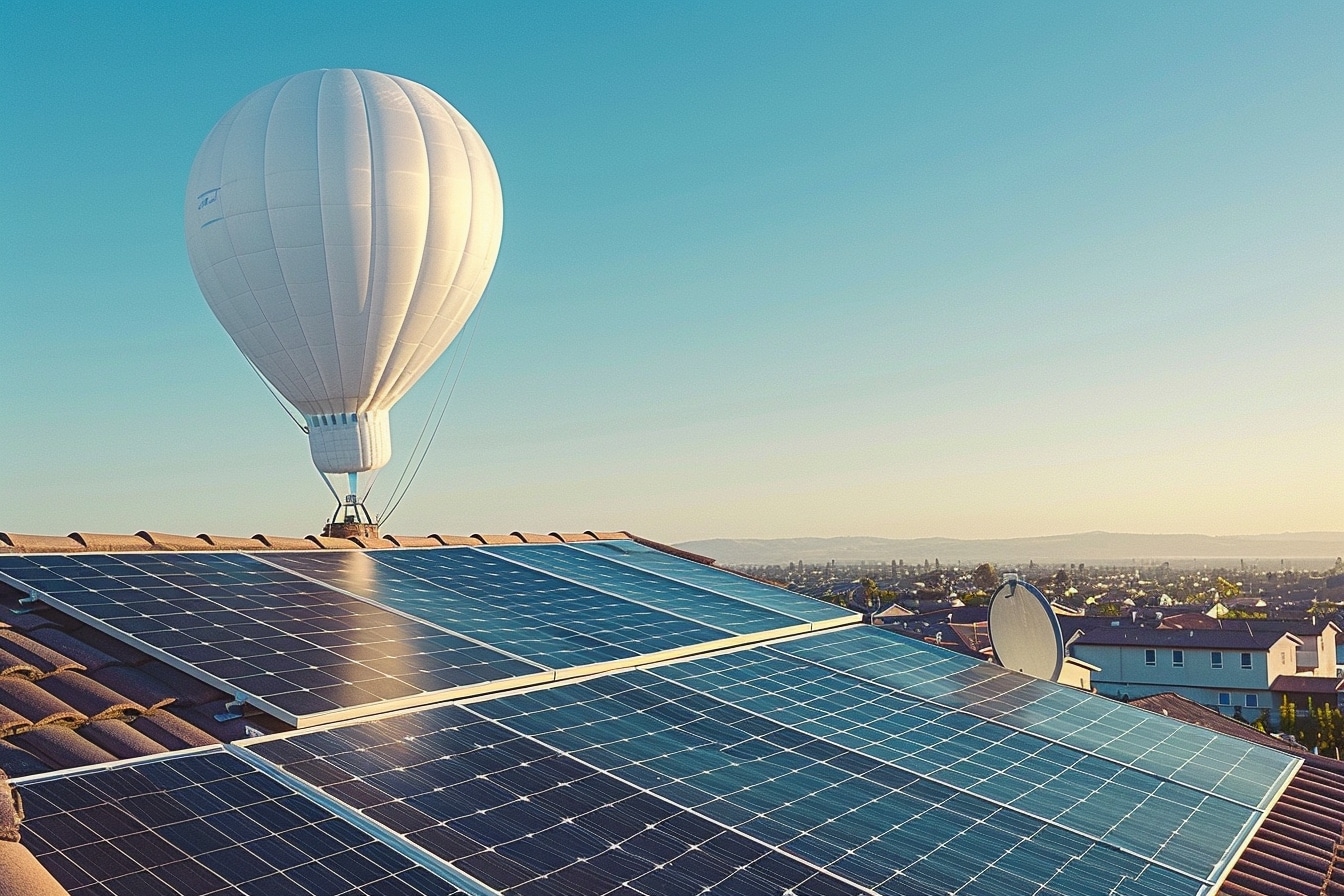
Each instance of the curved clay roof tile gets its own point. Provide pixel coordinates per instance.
(332, 544)
(120, 739)
(497, 539)
(231, 543)
(375, 542)
(414, 541)
(95, 700)
(35, 704)
(94, 541)
(452, 540)
(61, 747)
(536, 538)
(168, 542)
(574, 536)
(46, 660)
(283, 543)
(609, 536)
(40, 544)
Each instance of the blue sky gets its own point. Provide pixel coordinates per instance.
(768, 269)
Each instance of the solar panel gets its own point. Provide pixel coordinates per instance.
(205, 823)
(717, 581)
(673, 589)
(300, 650)
(837, 770)
(524, 819)
(560, 609)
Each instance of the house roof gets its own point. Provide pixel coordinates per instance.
(71, 695)
(1195, 639)
(1307, 684)
(14, 542)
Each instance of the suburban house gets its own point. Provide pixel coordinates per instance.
(1237, 668)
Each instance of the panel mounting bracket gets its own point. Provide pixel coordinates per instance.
(232, 710)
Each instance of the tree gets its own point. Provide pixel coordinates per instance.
(985, 577)
(1287, 716)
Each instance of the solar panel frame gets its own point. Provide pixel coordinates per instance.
(297, 688)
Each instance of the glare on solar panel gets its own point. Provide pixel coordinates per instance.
(302, 651)
(517, 601)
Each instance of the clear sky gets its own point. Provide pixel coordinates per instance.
(769, 269)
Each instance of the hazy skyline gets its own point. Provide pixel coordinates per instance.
(768, 270)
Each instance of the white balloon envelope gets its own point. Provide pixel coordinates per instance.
(342, 225)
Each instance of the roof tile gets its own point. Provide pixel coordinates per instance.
(13, 665)
(536, 538)
(120, 739)
(17, 762)
(60, 747)
(11, 722)
(92, 698)
(144, 689)
(414, 541)
(36, 704)
(331, 544)
(171, 731)
(40, 543)
(24, 874)
(94, 541)
(607, 536)
(283, 543)
(188, 690)
(574, 536)
(497, 539)
(451, 540)
(168, 542)
(46, 660)
(374, 542)
(67, 645)
(231, 543)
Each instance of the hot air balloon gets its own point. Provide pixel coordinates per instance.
(342, 225)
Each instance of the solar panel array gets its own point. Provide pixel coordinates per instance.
(812, 753)
(313, 637)
(830, 762)
(205, 823)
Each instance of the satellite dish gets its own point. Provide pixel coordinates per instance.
(342, 225)
(1024, 631)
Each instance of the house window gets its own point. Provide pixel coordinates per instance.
(1150, 657)
(1224, 699)
(1252, 701)
(1216, 659)
(1178, 658)
(1245, 661)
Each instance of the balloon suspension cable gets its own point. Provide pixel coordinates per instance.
(396, 499)
(454, 350)
(280, 401)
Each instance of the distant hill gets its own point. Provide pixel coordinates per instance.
(1106, 548)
